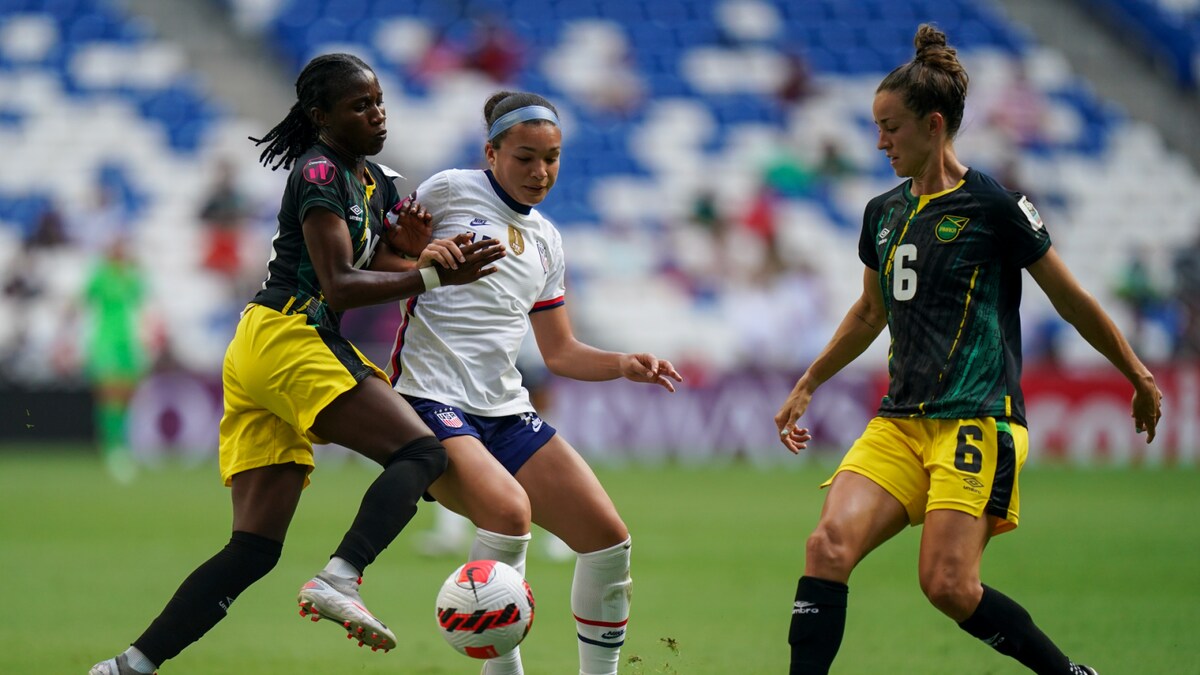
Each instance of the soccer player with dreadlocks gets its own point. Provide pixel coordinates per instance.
(290, 379)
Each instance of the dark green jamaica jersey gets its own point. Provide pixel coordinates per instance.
(950, 271)
(321, 179)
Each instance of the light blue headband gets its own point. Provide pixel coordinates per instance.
(515, 117)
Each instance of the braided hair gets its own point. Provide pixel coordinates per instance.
(318, 85)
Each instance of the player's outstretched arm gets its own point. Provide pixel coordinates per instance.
(1080, 309)
(346, 287)
(861, 325)
(568, 357)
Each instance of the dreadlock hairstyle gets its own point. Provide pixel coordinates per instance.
(318, 85)
(934, 81)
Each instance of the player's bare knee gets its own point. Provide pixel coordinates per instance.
(951, 594)
(826, 557)
(504, 513)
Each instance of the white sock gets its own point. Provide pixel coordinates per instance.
(600, 600)
(507, 549)
(340, 568)
(138, 661)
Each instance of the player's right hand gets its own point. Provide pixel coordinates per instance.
(1146, 407)
(793, 438)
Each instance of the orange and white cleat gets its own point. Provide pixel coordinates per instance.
(334, 598)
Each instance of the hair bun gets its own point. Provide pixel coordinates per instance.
(930, 43)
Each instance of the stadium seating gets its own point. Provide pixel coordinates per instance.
(663, 101)
(1167, 30)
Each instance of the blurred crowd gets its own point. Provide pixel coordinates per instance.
(734, 257)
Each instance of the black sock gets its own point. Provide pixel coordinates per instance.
(1007, 627)
(204, 597)
(818, 621)
(391, 501)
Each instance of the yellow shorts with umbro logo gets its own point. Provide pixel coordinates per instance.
(968, 465)
(279, 374)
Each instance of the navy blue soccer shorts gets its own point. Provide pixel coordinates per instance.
(511, 439)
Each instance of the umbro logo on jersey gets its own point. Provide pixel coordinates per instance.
(356, 213)
(803, 607)
(883, 235)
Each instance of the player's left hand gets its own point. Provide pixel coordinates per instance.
(1146, 407)
(649, 369)
(408, 226)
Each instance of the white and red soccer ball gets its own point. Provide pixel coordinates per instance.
(485, 609)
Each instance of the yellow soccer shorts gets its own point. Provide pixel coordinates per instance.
(279, 373)
(968, 465)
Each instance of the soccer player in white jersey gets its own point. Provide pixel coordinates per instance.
(455, 361)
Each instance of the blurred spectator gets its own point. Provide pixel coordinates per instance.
(833, 164)
(495, 51)
(705, 212)
(442, 58)
(797, 84)
(104, 222)
(1019, 111)
(21, 282)
(1187, 294)
(115, 356)
(786, 174)
(1135, 287)
(49, 230)
(223, 214)
(782, 315)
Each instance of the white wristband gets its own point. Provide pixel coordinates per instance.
(430, 276)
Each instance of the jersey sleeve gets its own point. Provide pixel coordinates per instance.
(554, 291)
(1021, 232)
(867, 252)
(317, 183)
(434, 195)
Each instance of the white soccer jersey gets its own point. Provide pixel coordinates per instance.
(459, 344)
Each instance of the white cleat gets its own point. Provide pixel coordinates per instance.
(330, 597)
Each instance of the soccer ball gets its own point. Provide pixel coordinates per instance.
(485, 609)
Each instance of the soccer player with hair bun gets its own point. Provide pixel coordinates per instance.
(455, 361)
(290, 379)
(944, 252)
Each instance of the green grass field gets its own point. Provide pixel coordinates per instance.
(1107, 561)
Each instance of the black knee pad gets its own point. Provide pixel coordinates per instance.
(426, 452)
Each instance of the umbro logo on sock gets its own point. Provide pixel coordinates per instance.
(803, 607)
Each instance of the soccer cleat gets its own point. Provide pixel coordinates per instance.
(1080, 669)
(330, 597)
(118, 665)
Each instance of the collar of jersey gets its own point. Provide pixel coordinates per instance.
(512, 203)
(925, 199)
